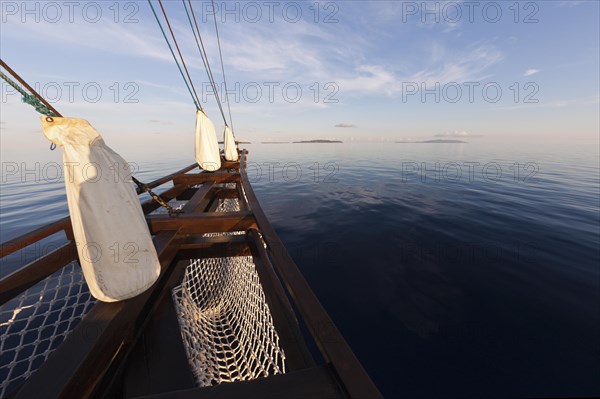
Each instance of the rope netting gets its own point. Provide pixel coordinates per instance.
(225, 322)
(34, 323)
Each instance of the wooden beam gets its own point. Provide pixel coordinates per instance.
(315, 382)
(224, 193)
(199, 197)
(230, 165)
(158, 362)
(29, 275)
(297, 355)
(65, 223)
(163, 180)
(34, 236)
(191, 179)
(202, 223)
(214, 247)
(328, 338)
(241, 197)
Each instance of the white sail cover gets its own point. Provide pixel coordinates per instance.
(231, 150)
(115, 249)
(207, 145)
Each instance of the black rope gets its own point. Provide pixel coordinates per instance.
(179, 51)
(222, 67)
(155, 197)
(196, 103)
(205, 57)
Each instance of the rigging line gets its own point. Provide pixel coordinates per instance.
(222, 67)
(34, 99)
(43, 107)
(196, 103)
(51, 111)
(202, 56)
(209, 69)
(178, 50)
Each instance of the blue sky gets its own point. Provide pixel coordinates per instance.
(372, 58)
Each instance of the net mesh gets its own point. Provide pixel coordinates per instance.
(225, 322)
(34, 323)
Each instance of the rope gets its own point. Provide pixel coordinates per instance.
(178, 50)
(196, 103)
(34, 99)
(222, 67)
(44, 108)
(225, 321)
(204, 57)
(29, 98)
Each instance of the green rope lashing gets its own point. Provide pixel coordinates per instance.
(31, 100)
(37, 104)
(28, 98)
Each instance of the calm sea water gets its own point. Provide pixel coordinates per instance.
(465, 270)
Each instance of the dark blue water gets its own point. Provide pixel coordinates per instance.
(449, 272)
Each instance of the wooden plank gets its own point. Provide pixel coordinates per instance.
(29, 275)
(199, 242)
(191, 179)
(328, 338)
(111, 384)
(241, 197)
(186, 194)
(77, 366)
(214, 247)
(65, 223)
(198, 198)
(202, 223)
(230, 165)
(297, 355)
(316, 382)
(158, 362)
(227, 193)
(222, 192)
(34, 236)
(163, 180)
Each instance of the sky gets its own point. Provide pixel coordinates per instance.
(348, 70)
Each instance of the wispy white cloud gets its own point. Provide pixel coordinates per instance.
(106, 36)
(469, 65)
(531, 71)
(458, 134)
(570, 3)
(444, 66)
(593, 100)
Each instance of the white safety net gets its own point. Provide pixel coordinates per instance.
(225, 322)
(34, 323)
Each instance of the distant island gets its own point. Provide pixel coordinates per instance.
(317, 141)
(274, 142)
(432, 142)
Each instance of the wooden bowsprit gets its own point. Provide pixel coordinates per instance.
(134, 348)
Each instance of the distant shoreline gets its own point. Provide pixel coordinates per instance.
(274, 142)
(317, 141)
(432, 142)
